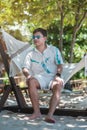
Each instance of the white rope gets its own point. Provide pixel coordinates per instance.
(14, 48)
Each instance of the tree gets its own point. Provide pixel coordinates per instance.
(38, 13)
(80, 15)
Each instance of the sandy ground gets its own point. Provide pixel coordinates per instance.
(16, 121)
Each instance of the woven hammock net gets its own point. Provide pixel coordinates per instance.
(17, 51)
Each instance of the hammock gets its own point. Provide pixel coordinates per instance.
(17, 50)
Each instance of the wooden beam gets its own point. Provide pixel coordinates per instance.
(59, 112)
(17, 91)
(4, 97)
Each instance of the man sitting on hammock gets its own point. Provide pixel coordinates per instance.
(42, 69)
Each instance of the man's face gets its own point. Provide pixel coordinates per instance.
(39, 39)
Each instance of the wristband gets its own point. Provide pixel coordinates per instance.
(58, 74)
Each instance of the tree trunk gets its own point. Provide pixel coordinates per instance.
(72, 46)
(61, 29)
(76, 28)
(61, 33)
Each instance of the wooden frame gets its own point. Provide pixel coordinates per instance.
(12, 87)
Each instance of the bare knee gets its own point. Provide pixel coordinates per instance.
(57, 86)
(33, 84)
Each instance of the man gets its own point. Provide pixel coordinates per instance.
(42, 69)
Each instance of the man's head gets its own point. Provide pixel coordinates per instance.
(39, 36)
(41, 30)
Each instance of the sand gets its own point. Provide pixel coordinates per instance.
(16, 121)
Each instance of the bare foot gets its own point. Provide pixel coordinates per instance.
(33, 116)
(50, 120)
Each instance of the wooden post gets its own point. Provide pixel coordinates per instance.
(13, 87)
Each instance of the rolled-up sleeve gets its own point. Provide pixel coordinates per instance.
(27, 62)
(58, 57)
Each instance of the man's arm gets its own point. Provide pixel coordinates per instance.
(59, 70)
(26, 73)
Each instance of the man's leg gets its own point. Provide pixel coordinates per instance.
(56, 89)
(33, 86)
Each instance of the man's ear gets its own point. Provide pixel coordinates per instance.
(45, 39)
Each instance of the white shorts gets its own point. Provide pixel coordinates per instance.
(45, 82)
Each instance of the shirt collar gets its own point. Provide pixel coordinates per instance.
(37, 50)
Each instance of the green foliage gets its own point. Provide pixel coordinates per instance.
(79, 75)
(53, 33)
(80, 45)
(53, 15)
(18, 35)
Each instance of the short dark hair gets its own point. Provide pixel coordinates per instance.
(41, 30)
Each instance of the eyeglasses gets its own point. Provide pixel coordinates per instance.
(37, 37)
